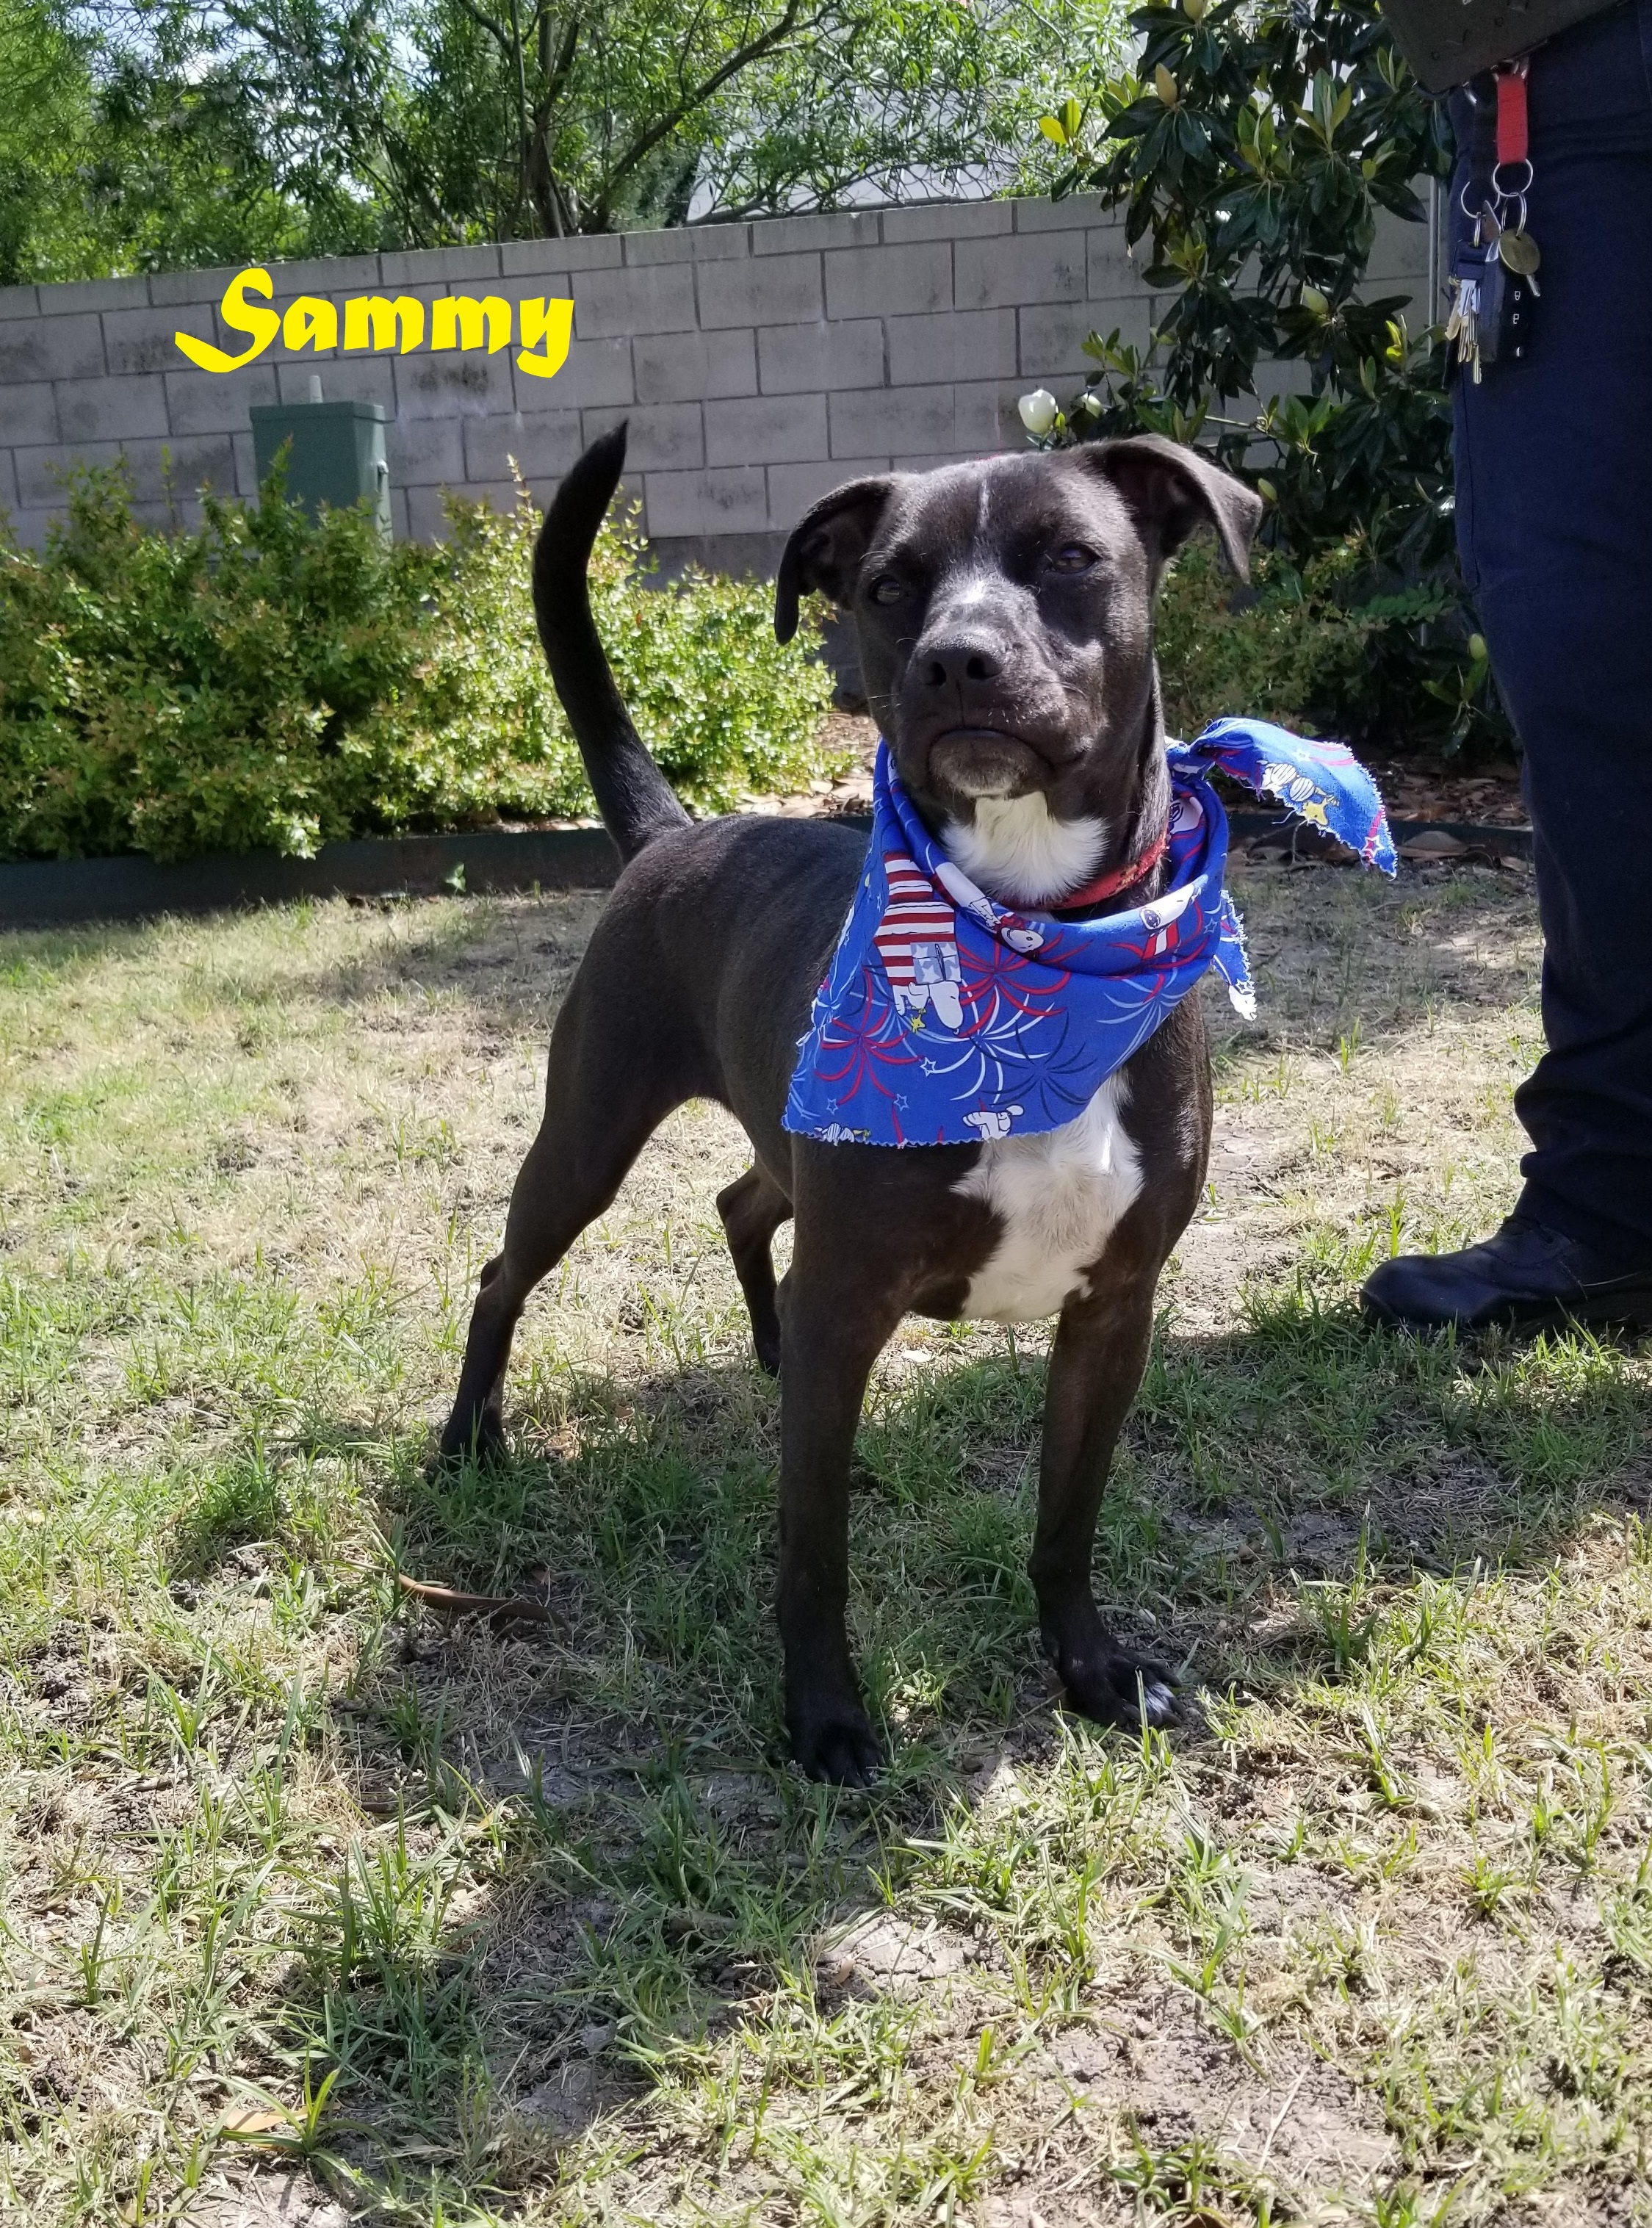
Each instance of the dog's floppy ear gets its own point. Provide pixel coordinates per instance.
(826, 547)
(1171, 489)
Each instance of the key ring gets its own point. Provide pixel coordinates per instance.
(1470, 211)
(1512, 193)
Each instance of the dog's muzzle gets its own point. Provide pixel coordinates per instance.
(981, 762)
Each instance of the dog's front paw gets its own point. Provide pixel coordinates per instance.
(837, 1744)
(479, 1438)
(1115, 1686)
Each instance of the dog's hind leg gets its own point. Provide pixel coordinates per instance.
(752, 1208)
(604, 1099)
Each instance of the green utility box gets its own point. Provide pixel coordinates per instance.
(337, 453)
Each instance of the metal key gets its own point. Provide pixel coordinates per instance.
(1459, 329)
(1463, 326)
(1517, 252)
(1478, 295)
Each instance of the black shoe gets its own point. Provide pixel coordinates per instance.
(1526, 1277)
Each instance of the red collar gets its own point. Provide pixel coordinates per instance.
(1109, 885)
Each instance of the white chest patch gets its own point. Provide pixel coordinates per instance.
(1061, 1195)
(1016, 853)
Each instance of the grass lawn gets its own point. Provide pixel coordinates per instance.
(316, 1902)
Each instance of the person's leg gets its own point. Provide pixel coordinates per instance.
(1554, 523)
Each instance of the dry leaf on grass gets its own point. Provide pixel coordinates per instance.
(499, 1609)
(252, 2126)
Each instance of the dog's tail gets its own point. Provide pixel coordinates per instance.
(634, 797)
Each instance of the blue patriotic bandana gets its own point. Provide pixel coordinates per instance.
(946, 1018)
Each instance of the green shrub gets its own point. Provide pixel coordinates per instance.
(1284, 648)
(1311, 648)
(269, 681)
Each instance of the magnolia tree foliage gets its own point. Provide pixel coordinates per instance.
(1254, 148)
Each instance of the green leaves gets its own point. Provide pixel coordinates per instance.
(1331, 105)
(1253, 152)
(1063, 128)
(47, 221)
(269, 682)
(162, 134)
(151, 137)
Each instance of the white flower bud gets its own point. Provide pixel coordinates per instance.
(1039, 411)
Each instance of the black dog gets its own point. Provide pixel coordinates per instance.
(1005, 615)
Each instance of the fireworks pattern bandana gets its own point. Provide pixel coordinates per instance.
(946, 1018)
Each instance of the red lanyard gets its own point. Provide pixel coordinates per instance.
(1513, 133)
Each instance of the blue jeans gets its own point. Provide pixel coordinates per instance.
(1554, 526)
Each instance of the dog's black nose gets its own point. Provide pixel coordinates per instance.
(960, 658)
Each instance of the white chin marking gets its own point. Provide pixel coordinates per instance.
(1059, 1193)
(982, 785)
(1018, 854)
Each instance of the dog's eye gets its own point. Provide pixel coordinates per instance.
(1071, 557)
(887, 588)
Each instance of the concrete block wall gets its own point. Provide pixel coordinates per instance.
(759, 364)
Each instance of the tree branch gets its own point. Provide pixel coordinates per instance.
(495, 31)
(741, 59)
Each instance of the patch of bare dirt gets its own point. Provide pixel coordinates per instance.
(265, 2197)
(1169, 2074)
(892, 1955)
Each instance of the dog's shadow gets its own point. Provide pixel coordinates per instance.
(663, 1864)
(1309, 1451)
